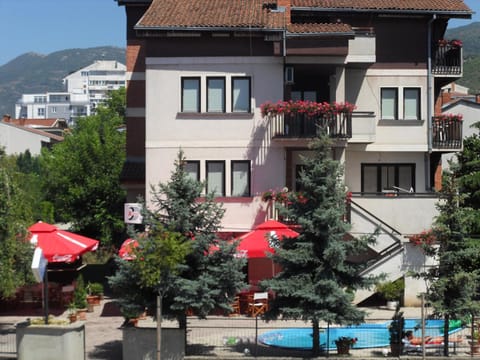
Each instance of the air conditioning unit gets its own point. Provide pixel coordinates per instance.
(289, 75)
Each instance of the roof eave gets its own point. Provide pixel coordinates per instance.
(459, 14)
(322, 34)
(203, 28)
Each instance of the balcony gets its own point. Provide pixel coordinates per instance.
(361, 49)
(298, 125)
(448, 59)
(447, 132)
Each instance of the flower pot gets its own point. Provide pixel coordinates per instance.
(392, 305)
(82, 314)
(72, 317)
(343, 348)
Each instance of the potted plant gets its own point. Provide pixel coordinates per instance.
(396, 332)
(80, 298)
(72, 312)
(344, 343)
(95, 293)
(392, 292)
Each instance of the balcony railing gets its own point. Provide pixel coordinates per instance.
(301, 125)
(446, 134)
(448, 60)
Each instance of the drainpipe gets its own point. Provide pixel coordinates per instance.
(429, 100)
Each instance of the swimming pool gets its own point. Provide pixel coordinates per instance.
(368, 335)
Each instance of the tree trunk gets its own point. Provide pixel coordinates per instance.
(315, 338)
(445, 334)
(159, 325)
(182, 324)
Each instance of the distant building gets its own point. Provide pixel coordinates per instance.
(84, 90)
(96, 80)
(17, 136)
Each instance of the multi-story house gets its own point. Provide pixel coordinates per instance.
(84, 90)
(96, 80)
(199, 71)
(59, 105)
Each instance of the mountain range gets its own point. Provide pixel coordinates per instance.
(36, 73)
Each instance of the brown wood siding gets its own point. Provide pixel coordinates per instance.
(332, 47)
(136, 136)
(205, 45)
(136, 93)
(401, 42)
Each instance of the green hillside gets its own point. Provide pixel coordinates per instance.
(36, 73)
(470, 36)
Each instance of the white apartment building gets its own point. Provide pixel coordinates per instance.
(96, 80)
(84, 90)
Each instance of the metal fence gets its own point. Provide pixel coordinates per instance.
(8, 347)
(239, 336)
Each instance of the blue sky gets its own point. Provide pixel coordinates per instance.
(46, 26)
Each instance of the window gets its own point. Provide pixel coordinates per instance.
(215, 94)
(240, 178)
(411, 103)
(241, 94)
(388, 177)
(192, 168)
(304, 95)
(191, 94)
(389, 103)
(53, 109)
(216, 177)
(40, 112)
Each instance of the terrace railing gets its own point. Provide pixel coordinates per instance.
(302, 125)
(446, 134)
(447, 60)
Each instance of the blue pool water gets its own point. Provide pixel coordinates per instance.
(368, 335)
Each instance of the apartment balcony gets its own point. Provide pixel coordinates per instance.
(301, 125)
(447, 132)
(448, 59)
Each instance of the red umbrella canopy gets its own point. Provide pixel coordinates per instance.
(126, 250)
(258, 242)
(60, 245)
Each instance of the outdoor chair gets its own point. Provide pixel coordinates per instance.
(259, 304)
(235, 305)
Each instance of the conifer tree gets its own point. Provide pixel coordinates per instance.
(455, 281)
(211, 274)
(317, 281)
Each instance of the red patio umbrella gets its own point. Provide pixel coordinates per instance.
(257, 244)
(126, 250)
(60, 245)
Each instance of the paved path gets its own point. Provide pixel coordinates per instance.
(103, 334)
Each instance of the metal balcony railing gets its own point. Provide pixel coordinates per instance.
(447, 60)
(301, 125)
(446, 134)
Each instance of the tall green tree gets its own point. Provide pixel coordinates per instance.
(468, 173)
(81, 174)
(211, 274)
(15, 217)
(455, 281)
(317, 281)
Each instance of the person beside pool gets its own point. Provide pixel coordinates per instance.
(412, 340)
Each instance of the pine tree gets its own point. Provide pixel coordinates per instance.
(317, 281)
(211, 274)
(455, 280)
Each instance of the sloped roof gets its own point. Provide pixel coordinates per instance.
(454, 6)
(320, 28)
(210, 14)
(241, 14)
